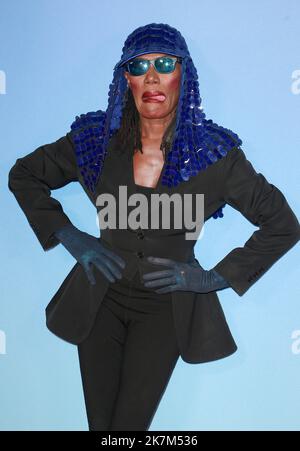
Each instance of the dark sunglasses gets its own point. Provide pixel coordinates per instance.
(162, 64)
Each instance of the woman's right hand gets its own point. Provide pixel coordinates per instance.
(88, 251)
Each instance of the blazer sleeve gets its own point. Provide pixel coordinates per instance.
(31, 179)
(265, 206)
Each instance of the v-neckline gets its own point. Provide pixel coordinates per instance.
(142, 186)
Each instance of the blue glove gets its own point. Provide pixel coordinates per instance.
(183, 277)
(88, 250)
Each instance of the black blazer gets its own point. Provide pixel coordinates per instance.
(202, 331)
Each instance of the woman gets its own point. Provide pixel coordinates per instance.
(132, 316)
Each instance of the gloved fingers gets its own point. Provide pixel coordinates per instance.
(158, 274)
(112, 255)
(89, 272)
(162, 261)
(160, 282)
(110, 266)
(99, 264)
(168, 289)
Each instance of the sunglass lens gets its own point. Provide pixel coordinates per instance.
(138, 67)
(165, 65)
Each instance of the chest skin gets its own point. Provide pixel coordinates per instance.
(147, 166)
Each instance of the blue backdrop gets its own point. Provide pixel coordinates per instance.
(56, 61)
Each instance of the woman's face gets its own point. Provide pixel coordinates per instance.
(151, 81)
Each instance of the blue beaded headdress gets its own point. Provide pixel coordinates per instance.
(197, 142)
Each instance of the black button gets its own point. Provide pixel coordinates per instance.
(140, 254)
(140, 235)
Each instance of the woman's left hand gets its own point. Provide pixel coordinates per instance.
(182, 277)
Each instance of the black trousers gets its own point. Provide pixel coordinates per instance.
(127, 360)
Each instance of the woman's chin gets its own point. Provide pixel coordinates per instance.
(154, 113)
